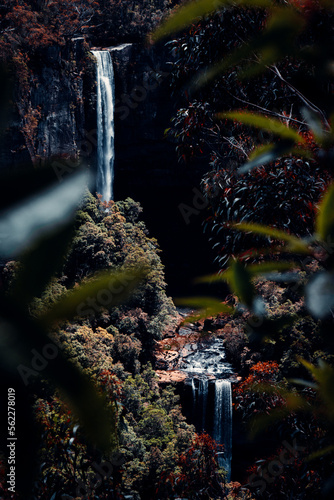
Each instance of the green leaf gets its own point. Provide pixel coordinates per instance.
(295, 244)
(253, 270)
(17, 184)
(24, 223)
(107, 289)
(40, 264)
(269, 267)
(321, 453)
(324, 376)
(27, 338)
(189, 13)
(272, 125)
(270, 46)
(325, 218)
(207, 307)
(239, 280)
(277, 40)
(266, 154)
(314, 123)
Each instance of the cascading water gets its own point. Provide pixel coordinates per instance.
(203, 395)
(209, 376)
(105, 124)
(222, 430)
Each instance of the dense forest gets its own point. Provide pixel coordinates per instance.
(107, 390)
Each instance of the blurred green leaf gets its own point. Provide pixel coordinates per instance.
(277, 40)
(272, 125)
(207, 306)
(269, 267)
(106, 289)
(266, 154)
(325, 218)
(239, 280)
(253, 270)
(19, 184)
(274, 43)
(319, 294)
(40, 264)
(190, 12)
(321, 453)
(22, 224)
(29, 338)
(323, 374)
(294, 244)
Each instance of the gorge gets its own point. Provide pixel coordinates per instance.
(166, 240)
(204, 363)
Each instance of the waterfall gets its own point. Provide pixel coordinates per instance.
(203, 396)
(209, 377)
(193, 388)
(222, 431)
(105, 124)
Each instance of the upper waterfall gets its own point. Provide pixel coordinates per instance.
(105, 123)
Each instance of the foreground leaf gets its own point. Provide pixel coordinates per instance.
(24, 223)
(186, 14)
(294, 244)
(107, 289)
(325, 217)
(319, 294)
(272, 125)
(207, 307)
(29, 339)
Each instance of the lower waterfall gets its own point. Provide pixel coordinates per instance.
(209, 376)
(222, 430)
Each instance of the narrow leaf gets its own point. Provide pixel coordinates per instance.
(41, 263)
(206, 306)
(272, 125)
(22, 224)
(319, 294)
(295, 244)
(266, 154)
(240, 282)
(107, 289)
(187, 14)
(253, 270)
(325, 217)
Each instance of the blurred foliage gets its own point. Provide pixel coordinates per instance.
(290, 96)
(26, 345)
(280, 194)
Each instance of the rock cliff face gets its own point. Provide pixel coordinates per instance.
(146, 166)
(56, 118)
(51, 117)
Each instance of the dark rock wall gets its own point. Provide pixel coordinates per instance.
(57, 119)
(52, 117)
(146, 165)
